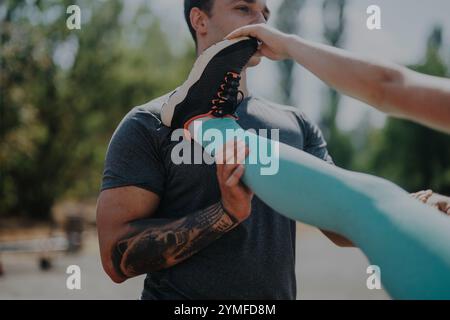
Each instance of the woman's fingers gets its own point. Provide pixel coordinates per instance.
(251, 30)
(422, 195)
(273, 42)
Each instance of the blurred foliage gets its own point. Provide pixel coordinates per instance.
(63, 92)
(339, 143)
(288, 22)
(409, 154)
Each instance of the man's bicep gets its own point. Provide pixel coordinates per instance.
(133, 156)
(116, 208)
(125, 204)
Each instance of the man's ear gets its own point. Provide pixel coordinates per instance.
(199, 21)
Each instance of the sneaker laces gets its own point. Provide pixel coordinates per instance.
(226, 99)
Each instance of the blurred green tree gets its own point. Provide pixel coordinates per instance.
(64, 91)
(409, 154)
(288, 22)
(339, 143)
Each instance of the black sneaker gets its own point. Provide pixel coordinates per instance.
(212, 87)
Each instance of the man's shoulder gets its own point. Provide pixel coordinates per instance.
(314, 142)
(291, 111)
(147, 114)
(153, 106)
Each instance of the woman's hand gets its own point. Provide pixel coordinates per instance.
(274, 45)
(438, 201)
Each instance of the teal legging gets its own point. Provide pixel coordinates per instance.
(408, 240)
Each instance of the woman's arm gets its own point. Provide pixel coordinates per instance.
(388, 87)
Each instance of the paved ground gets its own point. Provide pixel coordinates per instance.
(324, 271)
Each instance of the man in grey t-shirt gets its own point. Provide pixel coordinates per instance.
(195, 234)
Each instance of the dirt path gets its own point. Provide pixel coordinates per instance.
(324, 271)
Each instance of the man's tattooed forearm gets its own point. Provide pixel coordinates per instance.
(156, 244)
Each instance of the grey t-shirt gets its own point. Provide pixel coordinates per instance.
(256, 260)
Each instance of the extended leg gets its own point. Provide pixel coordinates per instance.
(407, 239)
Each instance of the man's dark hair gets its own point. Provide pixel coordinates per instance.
(204, 5)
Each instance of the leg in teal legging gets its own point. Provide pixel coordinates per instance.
(408, 240)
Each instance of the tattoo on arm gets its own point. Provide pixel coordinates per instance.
(155, 244)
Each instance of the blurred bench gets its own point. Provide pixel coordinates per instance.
(71, 242)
